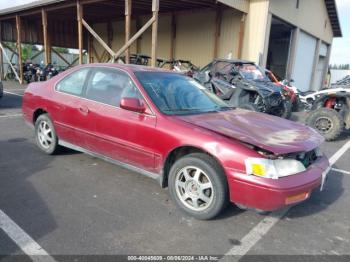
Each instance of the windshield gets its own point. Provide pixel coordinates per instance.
(176, 94)
(251, 72)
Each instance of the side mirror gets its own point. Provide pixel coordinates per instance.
(291, 81)
(133, 104)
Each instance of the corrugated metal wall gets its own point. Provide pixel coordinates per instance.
(241, 5)
(195, 36)
(229, 33)
(255, 30)
(164, 37)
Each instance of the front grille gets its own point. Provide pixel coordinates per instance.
(307, 158)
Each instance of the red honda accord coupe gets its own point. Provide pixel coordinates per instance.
(170, 128)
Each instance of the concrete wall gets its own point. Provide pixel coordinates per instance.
(311, 16)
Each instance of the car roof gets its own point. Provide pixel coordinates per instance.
(128, 67)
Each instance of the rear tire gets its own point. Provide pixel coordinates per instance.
(198, 186)
(45, 135)
(328, 122)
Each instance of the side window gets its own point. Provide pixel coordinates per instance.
(109, 86)
(73, 83)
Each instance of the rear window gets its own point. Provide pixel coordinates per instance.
(73, 83)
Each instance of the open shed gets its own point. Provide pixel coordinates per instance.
(108, 29)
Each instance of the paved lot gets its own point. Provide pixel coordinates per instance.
(74, 204)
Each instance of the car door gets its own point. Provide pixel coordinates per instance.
(70, 113)
(119, 134)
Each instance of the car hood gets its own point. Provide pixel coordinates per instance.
(271, 133)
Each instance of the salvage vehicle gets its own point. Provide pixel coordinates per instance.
(243, 84)
(288, 90)
(330, 111)
(167, 126)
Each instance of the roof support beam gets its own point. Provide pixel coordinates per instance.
(135, 37)
(90, 47)
(241, 36)
(80, 30)
(128, 10)
(19, 47)
(217, 32)
(98, 38)
(172, 36)
(155, 10)
(47, 51)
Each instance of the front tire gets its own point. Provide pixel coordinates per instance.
(327, 122)
(45, 135)
(197, 184)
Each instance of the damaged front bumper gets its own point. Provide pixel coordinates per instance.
(271, 194)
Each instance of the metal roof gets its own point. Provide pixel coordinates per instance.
(330, 4)
(333, 16)
(34, 4)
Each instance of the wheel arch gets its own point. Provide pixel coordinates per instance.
(178, 153)
(37, 112)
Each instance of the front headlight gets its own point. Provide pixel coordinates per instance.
(274, 169)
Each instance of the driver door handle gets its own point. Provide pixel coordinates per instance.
(84, 110)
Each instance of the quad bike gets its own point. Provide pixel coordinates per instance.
(330, 112)
(242, 84)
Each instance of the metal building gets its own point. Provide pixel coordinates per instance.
(293, 38)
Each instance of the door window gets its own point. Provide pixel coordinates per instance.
(73, 83)
(109, 86)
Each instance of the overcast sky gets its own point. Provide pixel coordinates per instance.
(341, 46)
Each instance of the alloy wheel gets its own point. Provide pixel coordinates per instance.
(45, 135)
(194, 188)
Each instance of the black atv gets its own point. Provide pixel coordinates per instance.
(243, 84)
(330, 112)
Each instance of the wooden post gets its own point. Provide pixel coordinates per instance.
(217, 32)
(135, 37)
(138, 41)
(90, 48)
(172, 36)
(155, 10)
(127, 28)
(98, 38)
(241, 36)
(19, 46)
(46, 43)
(80, 30)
